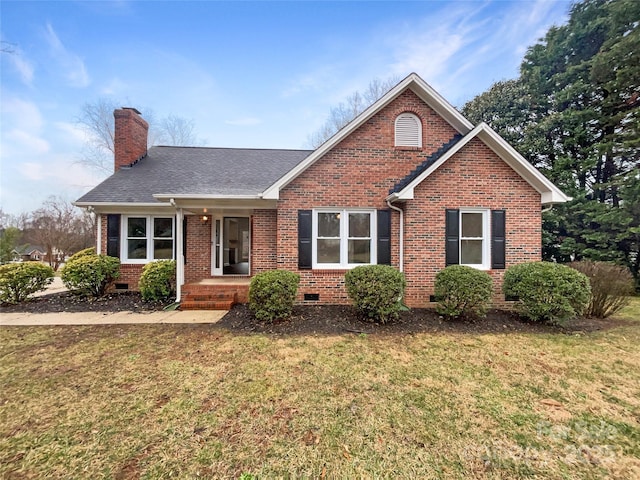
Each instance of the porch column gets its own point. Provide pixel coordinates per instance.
(179, 254)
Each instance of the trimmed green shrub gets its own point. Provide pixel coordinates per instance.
(376, 291)
(90, 275)
(547, 292)
(463, 291)
(611, 287)
(19, 280)
(82, 253)
(158, 280)
(272, 294)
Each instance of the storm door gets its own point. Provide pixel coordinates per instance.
(231, 246)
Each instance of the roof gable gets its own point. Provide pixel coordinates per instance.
(413, 82)
(550, 194)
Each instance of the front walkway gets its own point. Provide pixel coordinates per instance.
(110, 318)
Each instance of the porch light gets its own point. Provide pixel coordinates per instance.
(205, 219)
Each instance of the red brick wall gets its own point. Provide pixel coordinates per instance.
(359, 173)
(198, 264)
(263, 241)
(474, 177)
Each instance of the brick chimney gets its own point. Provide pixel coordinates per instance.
(130, 139)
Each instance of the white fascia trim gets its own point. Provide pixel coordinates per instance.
(417, 85)
(549, 193)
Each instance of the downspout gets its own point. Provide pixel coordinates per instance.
(548, 209)
(401, 253)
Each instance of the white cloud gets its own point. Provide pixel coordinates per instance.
(22, 66)
(244, 121)
(75, 70)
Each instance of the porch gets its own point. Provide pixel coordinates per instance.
(217, 293)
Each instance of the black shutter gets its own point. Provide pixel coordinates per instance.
(184, 239)
(384, 237)
(304, 239)
(113, 235)
(452, 234)
(498, 234)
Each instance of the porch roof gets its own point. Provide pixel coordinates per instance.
(195, 172)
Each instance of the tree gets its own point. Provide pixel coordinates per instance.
(60, 229)
(9, 238)
(177, 131)
(354, 105)
(576, 111)
(96, 119)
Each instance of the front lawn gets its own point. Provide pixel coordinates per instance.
(159, 401)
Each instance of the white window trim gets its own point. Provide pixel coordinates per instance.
(418, 124)
(124, 247)
(486, 237)
(344, 238)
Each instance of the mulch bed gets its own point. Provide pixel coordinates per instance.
(319, 319)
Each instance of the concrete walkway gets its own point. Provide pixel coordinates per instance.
(111, 318)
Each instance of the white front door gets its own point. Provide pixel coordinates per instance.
(231, 246)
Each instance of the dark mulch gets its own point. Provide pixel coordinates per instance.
(319, 319)
(339, 319)
(67, 302)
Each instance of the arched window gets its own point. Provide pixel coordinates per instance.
(408, 130)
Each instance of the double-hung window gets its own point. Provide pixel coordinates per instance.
(476, 238)
(473, 238)
(343, 238)
(148, 238)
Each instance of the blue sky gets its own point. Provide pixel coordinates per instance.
(249, 74)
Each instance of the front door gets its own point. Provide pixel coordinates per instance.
(231, 246)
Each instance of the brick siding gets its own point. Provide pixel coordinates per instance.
(359, 172)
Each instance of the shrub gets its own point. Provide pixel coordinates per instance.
(272, 294)
(90, 275)
(376, 291)
(82, 253)
(158, 280)
(463, 291)
(547, 292)
(611, 287)
(19, 280)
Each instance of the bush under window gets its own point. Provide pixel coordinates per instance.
(158, 281)
(272, 294)
(547, 292)
(82, 253)
(91, 275)
(463, 291)
(376, 291)
(19, 280)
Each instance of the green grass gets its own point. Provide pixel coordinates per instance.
(159, 401)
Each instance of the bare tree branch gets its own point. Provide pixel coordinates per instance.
(354, 105)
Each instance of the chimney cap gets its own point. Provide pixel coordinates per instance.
(133, 109)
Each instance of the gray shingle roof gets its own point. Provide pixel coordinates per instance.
(196, 171)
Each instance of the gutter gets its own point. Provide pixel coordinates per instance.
(401, 234)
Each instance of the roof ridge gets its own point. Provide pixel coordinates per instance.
(426, 163)
(235, 148)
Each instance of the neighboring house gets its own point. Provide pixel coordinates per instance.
(409, 182)
(29, 253)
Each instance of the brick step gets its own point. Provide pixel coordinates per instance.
(205, 305)
(211, 297)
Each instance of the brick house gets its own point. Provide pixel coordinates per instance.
(409, 182)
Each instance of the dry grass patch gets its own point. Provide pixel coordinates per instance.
(155, 401)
